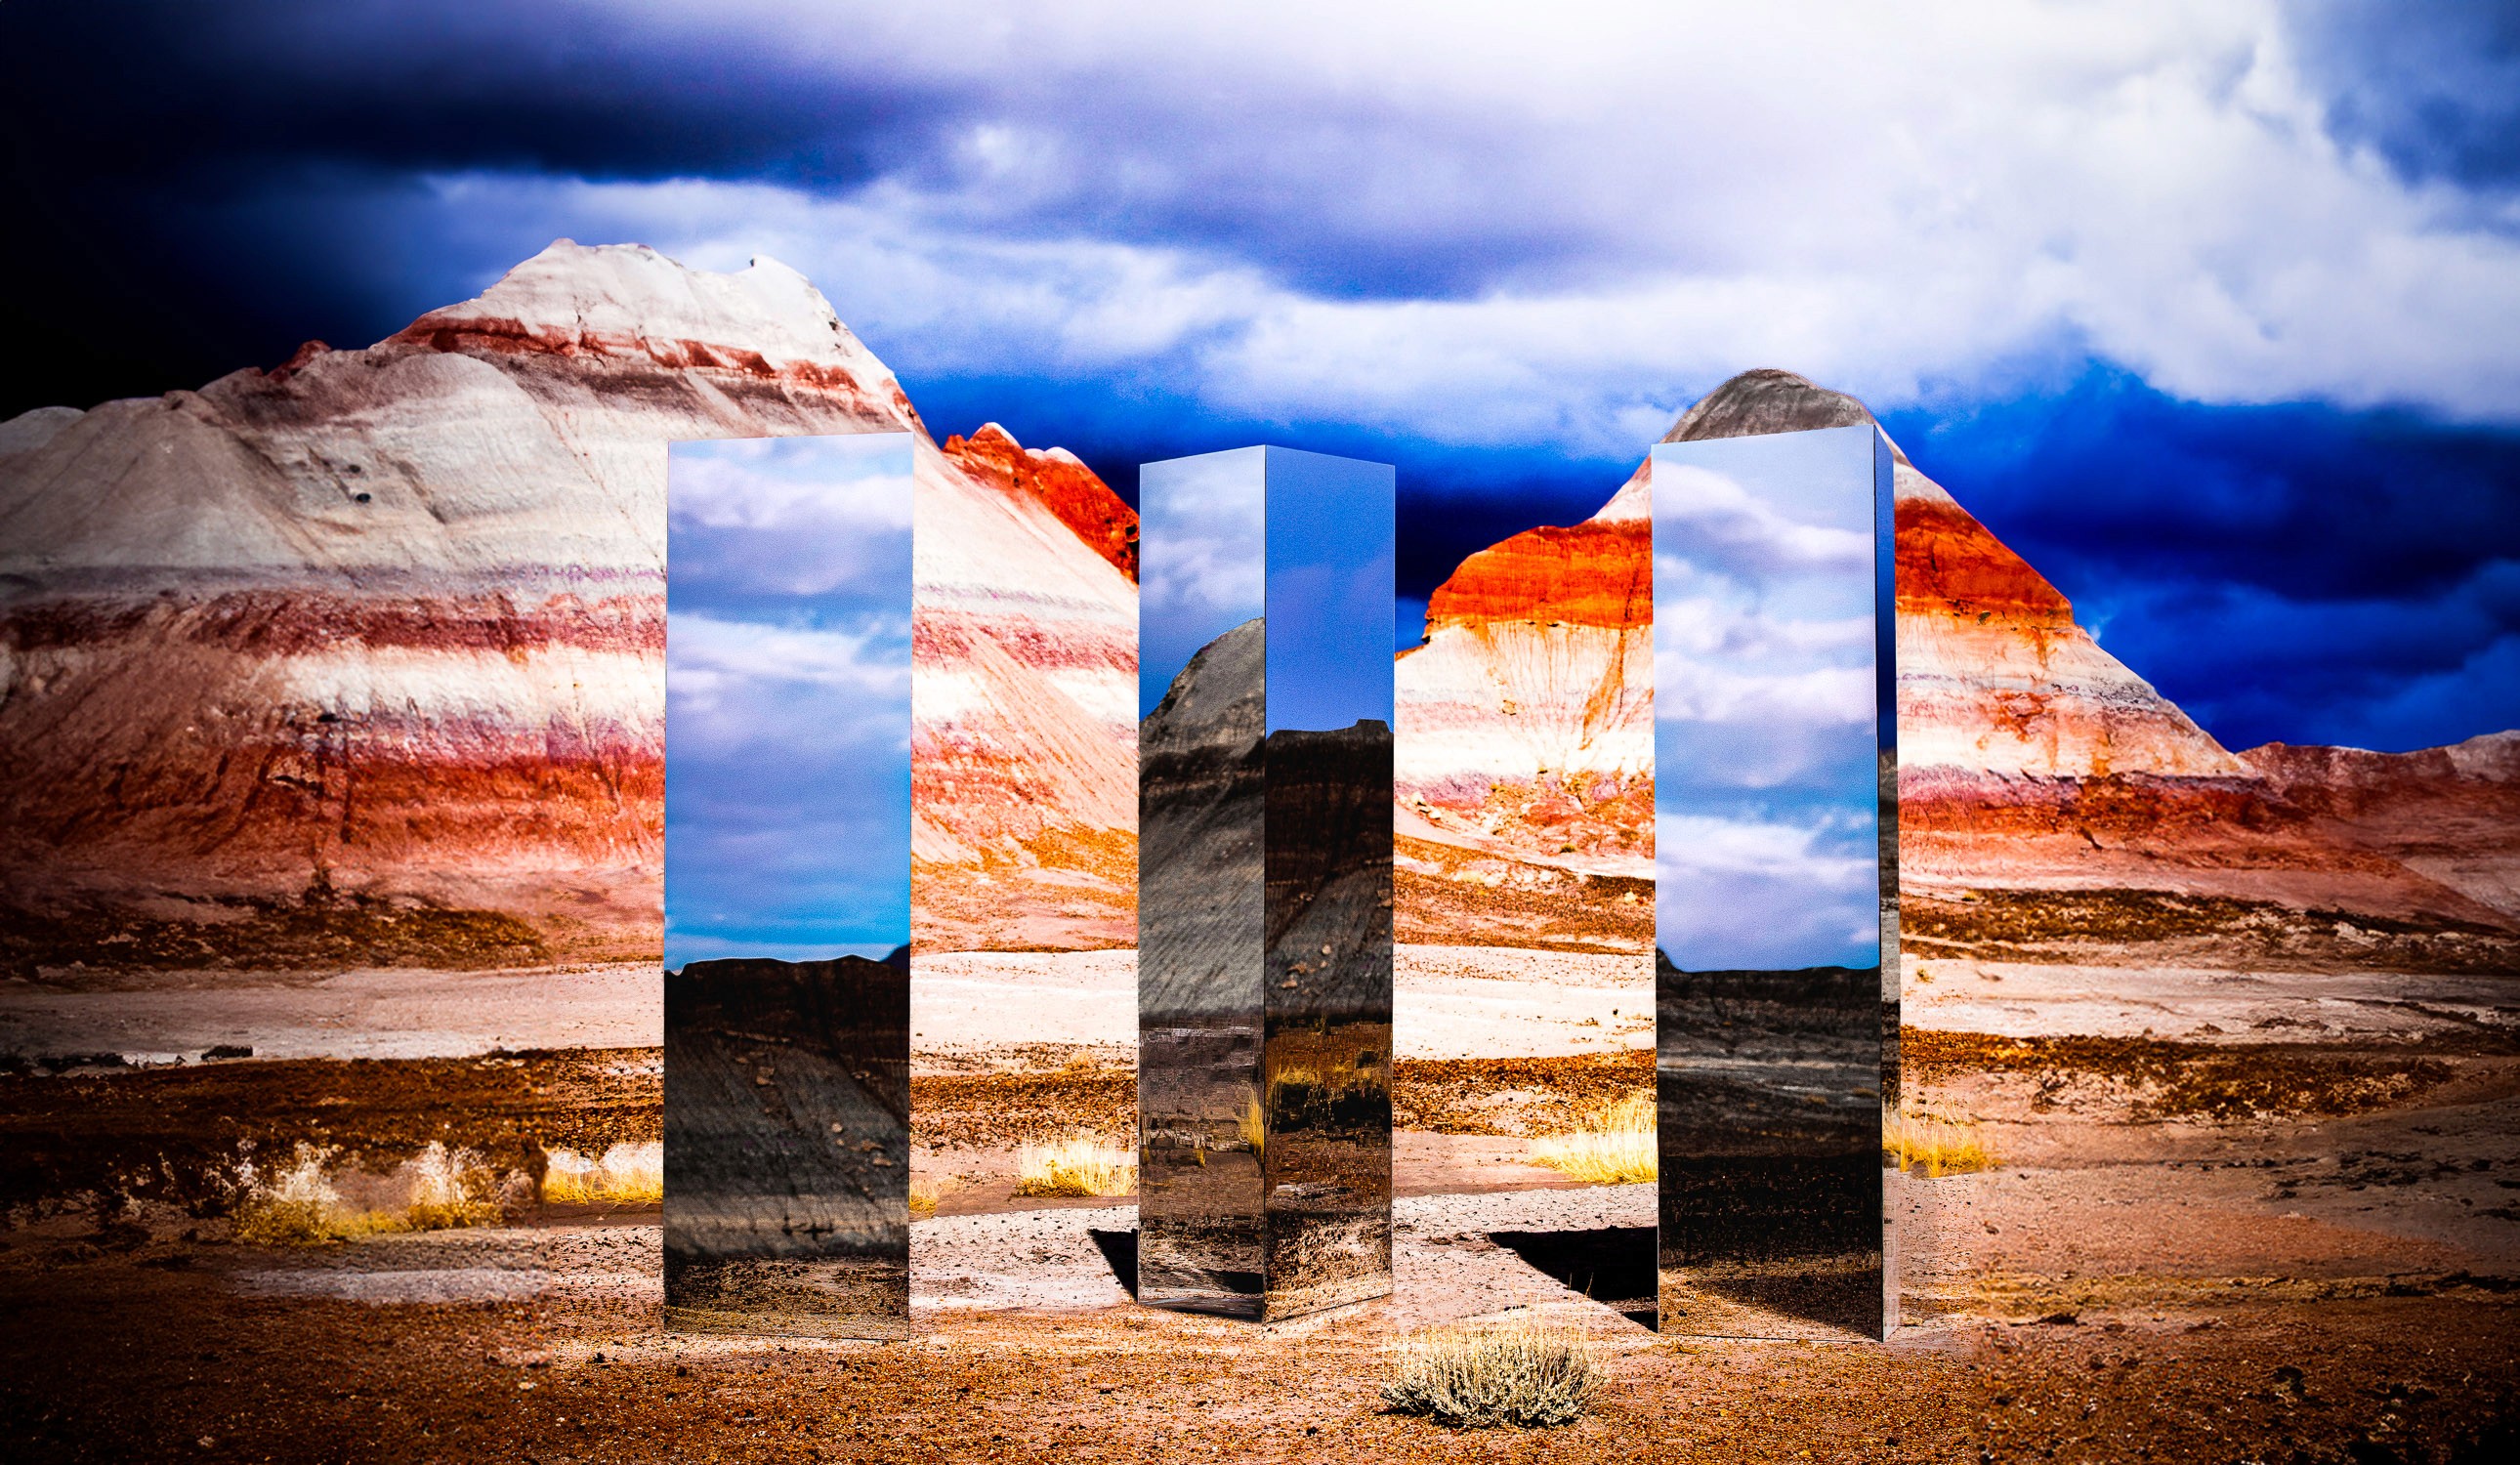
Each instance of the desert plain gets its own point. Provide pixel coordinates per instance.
(2296, 1236)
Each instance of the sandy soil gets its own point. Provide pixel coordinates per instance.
(1472, 1001)
(2300, 1243)
(164, 1017)
(2203, 1003)
(1004, 1011)
(517, 1345)
(981, 1011)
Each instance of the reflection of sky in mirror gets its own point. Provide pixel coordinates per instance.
(1330, 613)
(1303, 538)
(1202, 525)
(1766, 700)
(787, 697)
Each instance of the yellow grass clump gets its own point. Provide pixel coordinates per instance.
(1938, 1147)
(1083, 1164)
(1613, 1146)
(1523, 1373)
(1253, 1127)
(299, 1204)
(448, 1188)
(924, 1192)
(626, 1174)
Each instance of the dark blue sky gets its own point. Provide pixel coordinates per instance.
(2213, 313)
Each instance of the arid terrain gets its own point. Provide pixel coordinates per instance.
(2296, 1237)
(2311, 1286)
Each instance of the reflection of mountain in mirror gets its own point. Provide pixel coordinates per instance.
(1265, 884)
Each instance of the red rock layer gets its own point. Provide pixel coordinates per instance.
(1066, 487)
(2451, 814)
(1949, 562)
(1595, 573)
(388, 624)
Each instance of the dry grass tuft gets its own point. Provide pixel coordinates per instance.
(1938, 1147)
(626, 1174)
(294, 1206)
(1523, 1374)
(924, 1192)
(1083, 1164)
(449, 1188)
(1253, 1127)
(299, 1204)
(1612, 1145)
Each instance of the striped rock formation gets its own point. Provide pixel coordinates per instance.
(1523, 763)
(360, 659)
(2031, 760)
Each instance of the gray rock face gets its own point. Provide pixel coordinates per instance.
(1263, 972)
(1768, 400)
(788, 1147)
(1200, 813)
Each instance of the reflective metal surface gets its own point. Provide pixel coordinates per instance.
(788, 886)
(1777, 1022)
(1264, 899)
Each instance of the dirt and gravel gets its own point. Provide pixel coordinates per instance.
(2294, 1237)
(104, 1139)
(196, 1352)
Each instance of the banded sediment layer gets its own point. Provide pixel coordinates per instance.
(2030, 759)
(371, 642)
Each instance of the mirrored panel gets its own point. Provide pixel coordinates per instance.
(1264, 895)
(1775, 883)
(787, 885)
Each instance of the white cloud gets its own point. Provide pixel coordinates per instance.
(1759, 894)
(766, 483)
(742, 673)
(1616, 204)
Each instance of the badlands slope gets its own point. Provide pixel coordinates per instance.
(2037, 773)
(365, 653)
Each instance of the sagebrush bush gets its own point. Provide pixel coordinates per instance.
(1524, 1374)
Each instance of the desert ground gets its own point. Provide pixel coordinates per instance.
(2295, 1237)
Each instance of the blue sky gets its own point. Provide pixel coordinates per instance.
(787, 697)
(2212, 312)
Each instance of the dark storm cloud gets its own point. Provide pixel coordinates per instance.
(198, 97)
(2292, 572)
(2435, 87)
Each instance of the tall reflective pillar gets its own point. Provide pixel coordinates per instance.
(788, 886)
(1264, 882)
(1776, 995)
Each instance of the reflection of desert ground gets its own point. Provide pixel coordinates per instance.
(1495, 1046)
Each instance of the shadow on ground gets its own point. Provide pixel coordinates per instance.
(1614, 1266)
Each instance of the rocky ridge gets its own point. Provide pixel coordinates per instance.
(374, 638)
(2030, 758)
